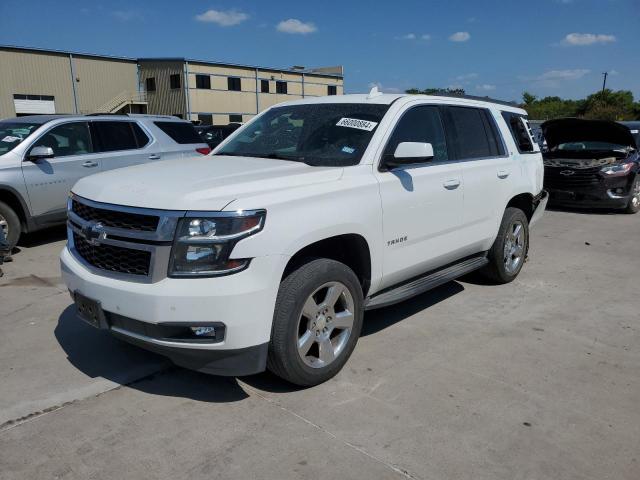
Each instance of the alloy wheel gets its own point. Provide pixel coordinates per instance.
(635, 199)
(325, 324)
(514, 247)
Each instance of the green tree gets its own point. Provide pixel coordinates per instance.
(528, 98)
(436, 91)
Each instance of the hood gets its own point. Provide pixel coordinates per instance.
(568, 130)
(199, 183)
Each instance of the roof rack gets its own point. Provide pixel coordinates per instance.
(475, 97)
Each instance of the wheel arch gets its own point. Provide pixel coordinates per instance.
(12, 198)
(524, 202)
(352, 249)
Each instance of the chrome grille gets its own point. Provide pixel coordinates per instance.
(115, 219)
(112, 258)
(122, 242)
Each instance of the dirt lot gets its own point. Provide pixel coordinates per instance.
(538, 379)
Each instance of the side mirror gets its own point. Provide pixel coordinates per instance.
(410, 153)
(38, 153)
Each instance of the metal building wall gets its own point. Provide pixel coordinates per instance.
(164, 101)
(34, 74)
(99, 80)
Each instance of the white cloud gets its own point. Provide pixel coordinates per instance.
(425, 36)
(467, 76)
(584, 39)
(485, 87)
(408, 36)
(460, 37)
(293, 25)
(126, 15)
(224, 18)
(569, 74)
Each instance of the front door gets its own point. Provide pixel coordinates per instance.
(421, 204)
(49, 181)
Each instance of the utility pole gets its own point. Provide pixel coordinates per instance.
(604, 82)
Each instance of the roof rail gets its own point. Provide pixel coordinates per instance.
(106, 114)
(475, 97)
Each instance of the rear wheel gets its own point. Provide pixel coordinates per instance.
(634, 202)
(317, 322)
(508, 253)
(10, 224)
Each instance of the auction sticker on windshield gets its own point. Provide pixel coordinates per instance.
(356, 123)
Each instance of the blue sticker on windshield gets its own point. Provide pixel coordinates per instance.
(348, 150)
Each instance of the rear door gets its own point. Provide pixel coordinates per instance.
(487, 171)
(121, 143)
(421, 204)
(49, 181)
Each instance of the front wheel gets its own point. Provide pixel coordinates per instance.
(10, 225)
(316, 323)
(508, 252)
(634, 202)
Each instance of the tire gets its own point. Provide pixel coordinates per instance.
(500, 268)
(10, 223)
(634, 202)
(304, 307)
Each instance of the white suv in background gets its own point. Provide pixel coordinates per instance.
(268, 254)
(43, 156)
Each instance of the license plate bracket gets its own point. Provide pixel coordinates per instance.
(90, 311)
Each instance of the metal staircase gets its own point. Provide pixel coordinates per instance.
(121, 101)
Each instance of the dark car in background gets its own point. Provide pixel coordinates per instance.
(213, 135)
(591, 163)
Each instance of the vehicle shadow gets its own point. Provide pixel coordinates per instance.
(585, 211)
(42, 237)
(98, 354)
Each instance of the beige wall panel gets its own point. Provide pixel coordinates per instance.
(222, 70)
(101, 80)
(36, 74)
(212, 101)
(164, 101)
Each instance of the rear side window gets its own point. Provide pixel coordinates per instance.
(420, 124)
(141, 138)
(114, 136)
(519, 132)
(180, 132)
(472, 133)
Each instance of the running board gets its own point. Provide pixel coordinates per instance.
(425, 283)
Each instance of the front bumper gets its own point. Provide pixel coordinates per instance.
(604, 192)
(243, 302)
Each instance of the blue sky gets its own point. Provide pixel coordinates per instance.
(496, 48)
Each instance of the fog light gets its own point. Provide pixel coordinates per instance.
(204, 331)
(619, 190)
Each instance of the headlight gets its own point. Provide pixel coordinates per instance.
(618, 169)
(203, 244)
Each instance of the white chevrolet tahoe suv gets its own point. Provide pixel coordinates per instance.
(267, 253)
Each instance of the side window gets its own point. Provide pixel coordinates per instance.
(420, 124)
(183, 133)
(114, 136)
(471, 135)
(203, 82)
(142, 138)
(67, 139)
(519, 132)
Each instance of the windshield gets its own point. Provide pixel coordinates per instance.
(592, 146)
(12, 134)
(335, 134)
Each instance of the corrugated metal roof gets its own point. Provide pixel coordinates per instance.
(165, 59)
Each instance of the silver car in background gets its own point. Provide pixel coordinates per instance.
(43, 156)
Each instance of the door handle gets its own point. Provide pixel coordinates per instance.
(90, 164)
(451, 184)
(154, 156)
(503, 173)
